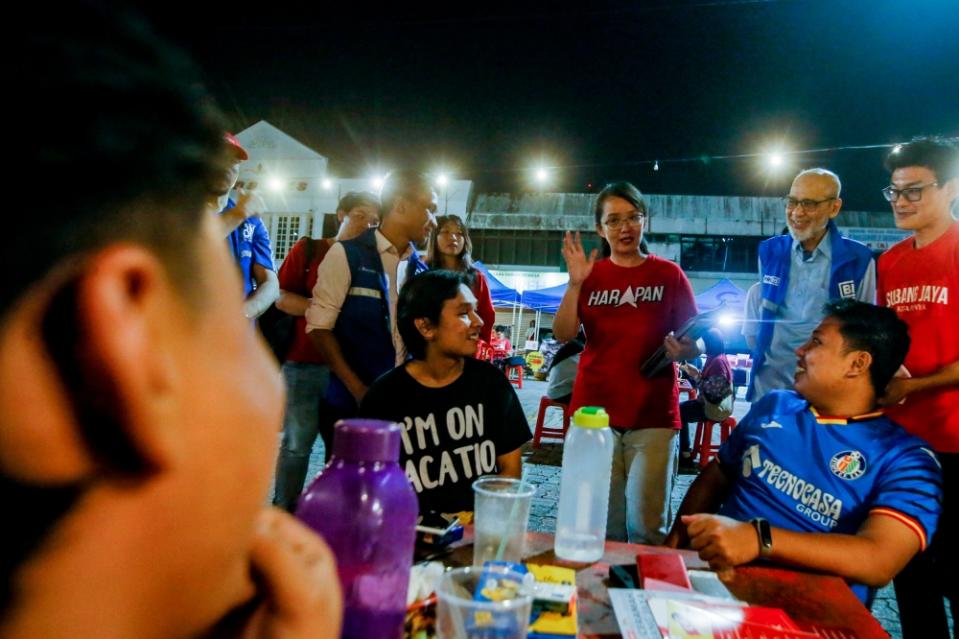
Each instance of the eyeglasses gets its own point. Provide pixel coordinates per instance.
(636, 219)
(806, 205)
(912, 194)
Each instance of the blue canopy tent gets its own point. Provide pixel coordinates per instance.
(503, 296)
(545, 300)
(723, 292)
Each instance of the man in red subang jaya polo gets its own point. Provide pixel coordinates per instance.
(919, 279)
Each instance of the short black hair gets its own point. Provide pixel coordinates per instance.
(423, 296)
(939, 155)
(404, 183)
(628, 192)
(118, 123)
(354, 199)
(876, 330)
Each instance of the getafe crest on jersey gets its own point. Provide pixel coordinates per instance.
(631, 296)
(849, 464)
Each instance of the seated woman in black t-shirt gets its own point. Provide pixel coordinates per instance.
(461, 416)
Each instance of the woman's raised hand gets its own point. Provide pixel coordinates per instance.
(578, 265)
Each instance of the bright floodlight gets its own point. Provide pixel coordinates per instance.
(542, 175)
(327, 184)
(275, 184)
(442, 179)
(378, 182)
(775, 159)
(897, 148)
(727, 320)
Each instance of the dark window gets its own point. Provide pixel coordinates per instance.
(720, 254)
(525, 247)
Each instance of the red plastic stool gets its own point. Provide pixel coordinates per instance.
(518, 380)
(541, 430)
(703, 443)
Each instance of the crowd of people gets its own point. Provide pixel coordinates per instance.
(140, 408)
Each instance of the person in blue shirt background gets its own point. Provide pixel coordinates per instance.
(248, 239)
(818, 477)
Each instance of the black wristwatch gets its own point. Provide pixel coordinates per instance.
(764, 533)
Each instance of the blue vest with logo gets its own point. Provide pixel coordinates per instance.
(363, 325)
(850, 259)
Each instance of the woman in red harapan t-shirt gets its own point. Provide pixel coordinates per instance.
(628, 304)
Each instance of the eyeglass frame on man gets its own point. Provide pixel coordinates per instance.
(892, 194)
(792, 203)
(636, 218)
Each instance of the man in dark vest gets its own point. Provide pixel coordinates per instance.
(352, 315)
(798, 274)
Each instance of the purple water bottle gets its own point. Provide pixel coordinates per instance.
(365, 508)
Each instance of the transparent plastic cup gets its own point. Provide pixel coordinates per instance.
(501, 513)
(460, 616)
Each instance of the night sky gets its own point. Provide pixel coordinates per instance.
(594, 91)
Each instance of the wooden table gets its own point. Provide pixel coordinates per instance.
(821, 602)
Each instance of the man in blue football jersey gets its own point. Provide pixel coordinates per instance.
(818, 477)
(247, 237)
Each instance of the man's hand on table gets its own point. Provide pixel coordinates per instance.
(296, 577)
(721, 541)
(677, 537)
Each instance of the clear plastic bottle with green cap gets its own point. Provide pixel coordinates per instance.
(584, 488)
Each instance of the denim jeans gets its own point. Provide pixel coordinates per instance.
(644, 462)
(305, 387)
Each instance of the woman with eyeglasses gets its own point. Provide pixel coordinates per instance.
(629, 303)
(450, 249)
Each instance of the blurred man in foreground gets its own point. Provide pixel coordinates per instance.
(139, 411)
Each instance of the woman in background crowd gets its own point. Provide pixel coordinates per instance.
(451, 249)
(629, 304)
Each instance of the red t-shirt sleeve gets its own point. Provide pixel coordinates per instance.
(484, 306)
(293, 268)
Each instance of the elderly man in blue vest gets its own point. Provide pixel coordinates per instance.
(352, 314)
(798, 274)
